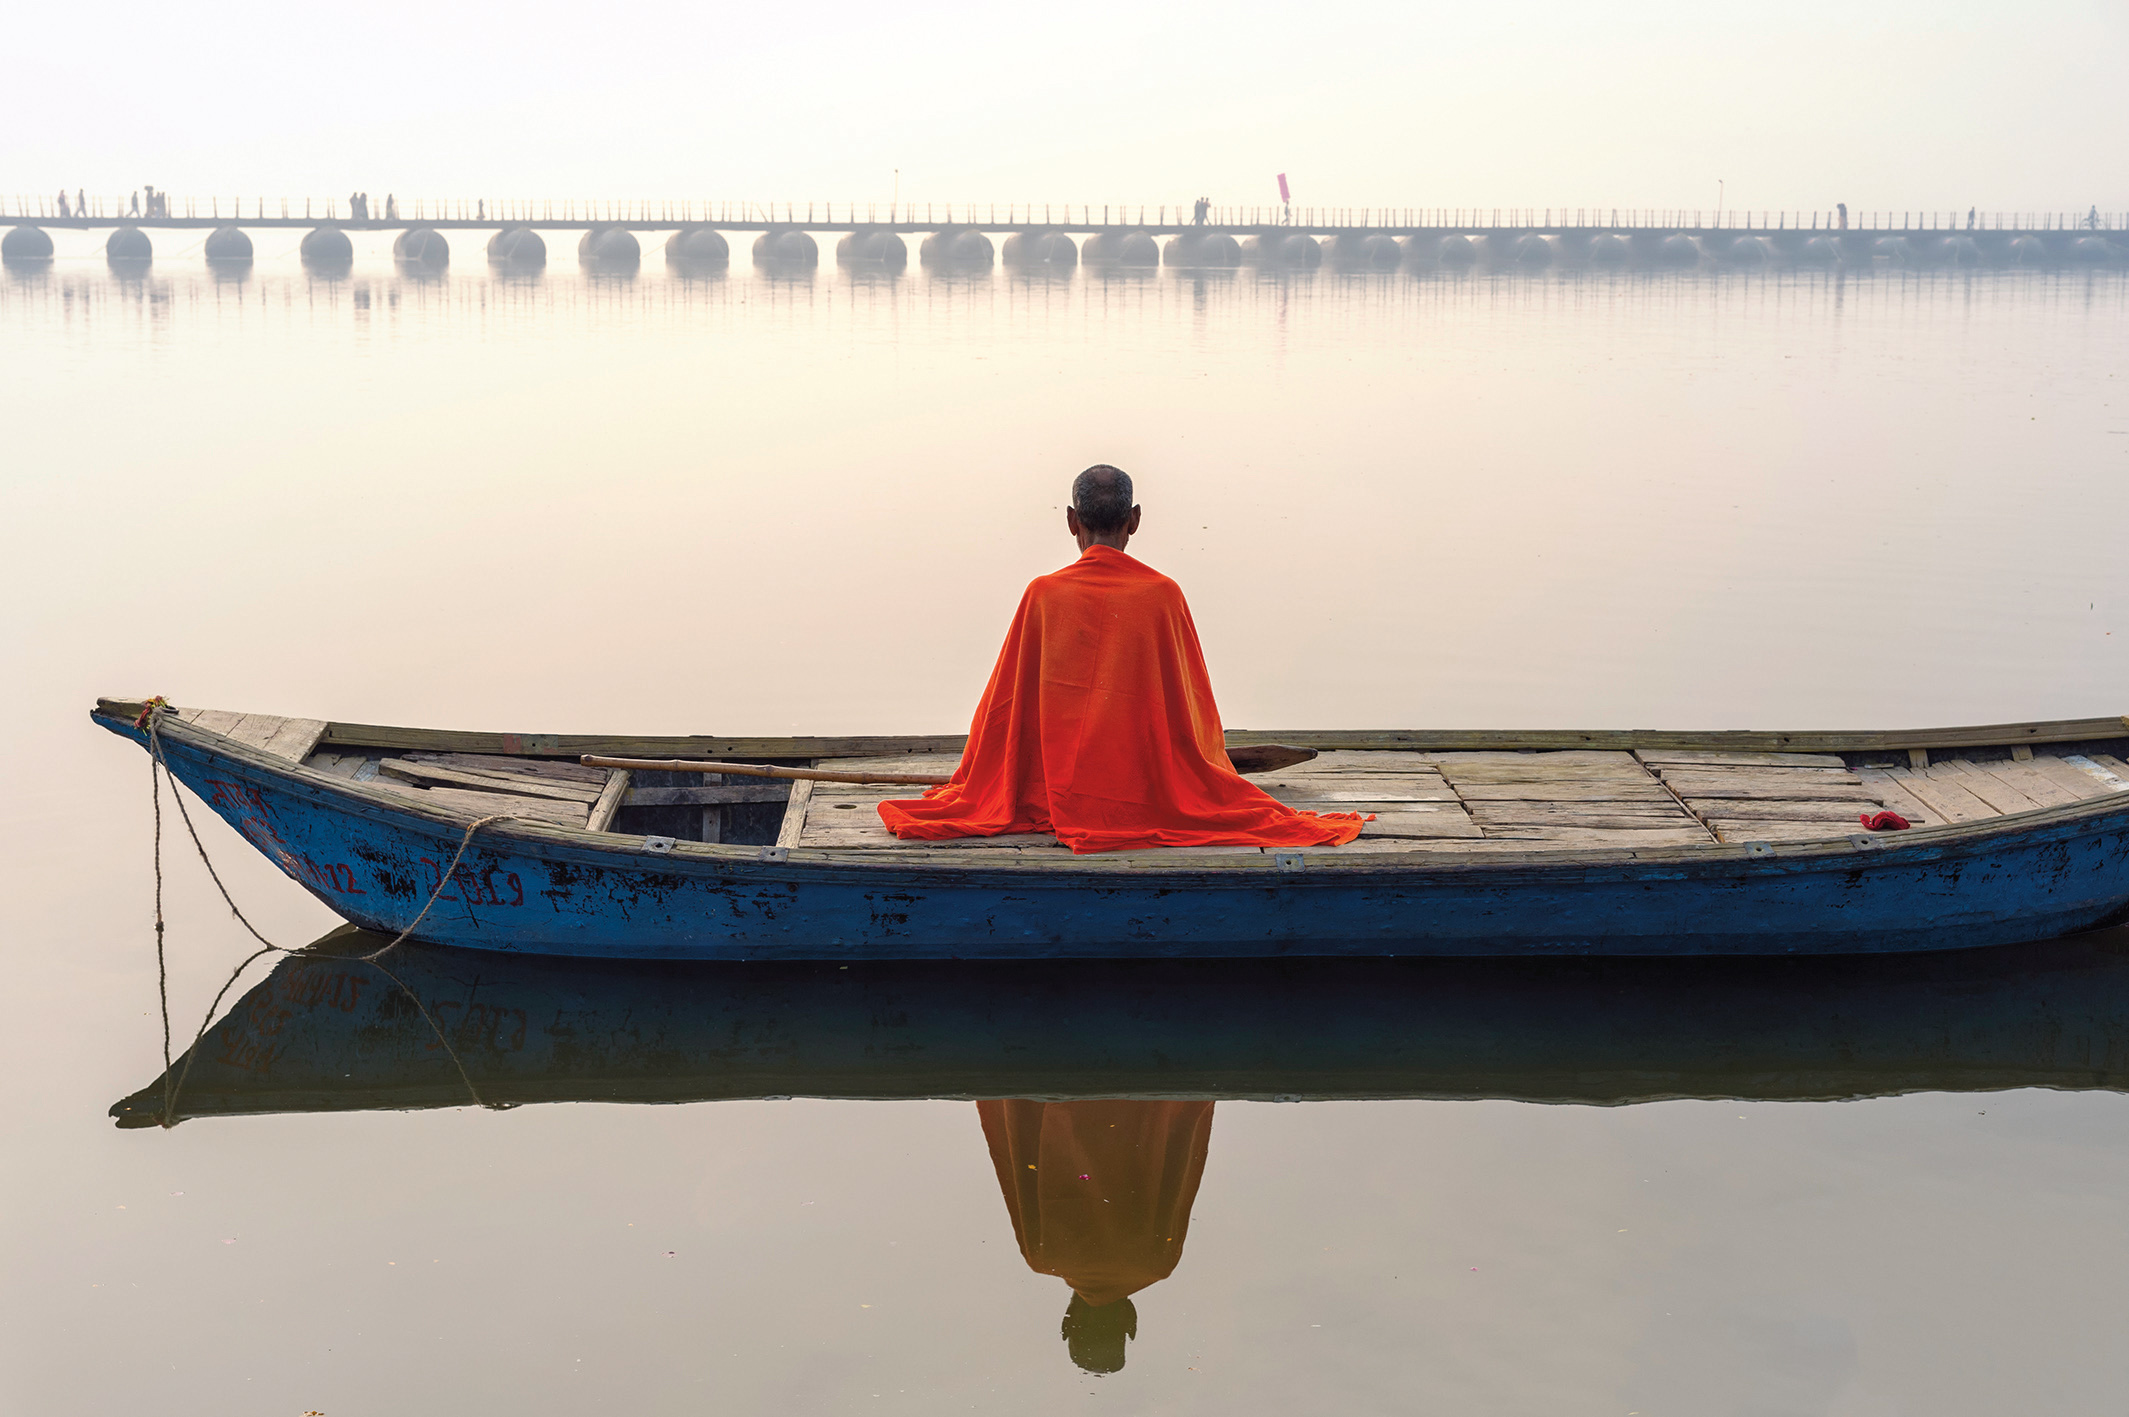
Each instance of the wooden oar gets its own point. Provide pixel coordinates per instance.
(1257, 757)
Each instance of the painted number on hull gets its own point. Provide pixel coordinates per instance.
(475, 887)
(245, 806)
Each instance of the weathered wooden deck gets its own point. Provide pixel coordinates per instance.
(1479, 801)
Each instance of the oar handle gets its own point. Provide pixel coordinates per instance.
(910, 779)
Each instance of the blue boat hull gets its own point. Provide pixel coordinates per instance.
(529, 891)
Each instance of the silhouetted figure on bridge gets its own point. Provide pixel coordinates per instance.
(1199, 210)
(81, 201)
(64, 210)
(391, 207)
(135, 210)
(1844, 214)
(1969, 218)
(2092, 218)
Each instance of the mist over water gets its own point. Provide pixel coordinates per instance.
(754, 503)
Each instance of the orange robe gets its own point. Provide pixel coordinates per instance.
(1099, 1192)
(1099, 726)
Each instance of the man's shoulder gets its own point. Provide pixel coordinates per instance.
(1117, 573)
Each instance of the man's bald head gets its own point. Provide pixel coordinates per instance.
(1102, 497)
(1101, 513)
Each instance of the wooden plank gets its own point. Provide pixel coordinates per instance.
(1386, 760)
(2080, 785)
(2112, 764)
(1825, 810)
(255, 730)
(1631, 816)
(1945, 798)
(220, 721)
(1536, 769)
(370, 735)
(1556, 758)
(1622, 790)
(1810, 783)
(485, 804)
(709, 796)
(877, 837)
(2004, 796)
(1758, 830)
(335, 764)
(942, 763)
(1420, 824)
(794, 822)
(601, 816)
(1688, 757)
(295, 738)
(2023, 775)
(438, 775)
(495, 764)
(1691, 834)
(1880, 783)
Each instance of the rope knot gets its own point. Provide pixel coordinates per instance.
(147, 710)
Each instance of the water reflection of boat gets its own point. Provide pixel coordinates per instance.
(324, 1032)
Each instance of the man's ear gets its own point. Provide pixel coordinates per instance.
(1131, 527)
(1072, 520)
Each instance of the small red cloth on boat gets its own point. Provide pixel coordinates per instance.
(1885, 821)
(1099, 727)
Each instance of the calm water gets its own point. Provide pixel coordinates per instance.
(752, 504)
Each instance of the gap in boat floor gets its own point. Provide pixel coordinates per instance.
(684, 806)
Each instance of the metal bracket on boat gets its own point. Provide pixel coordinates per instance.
(774, 853)
(1289, 860)
(1759, 848)
(662, 845)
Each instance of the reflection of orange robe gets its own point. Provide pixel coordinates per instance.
(1099, 1192)
(1099, 726)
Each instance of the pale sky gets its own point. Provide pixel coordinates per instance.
(1789, 105)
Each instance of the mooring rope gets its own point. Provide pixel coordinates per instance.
(173, 1084)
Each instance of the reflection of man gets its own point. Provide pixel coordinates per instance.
(1100, 1196)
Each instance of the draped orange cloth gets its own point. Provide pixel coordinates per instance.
(1099, 727)
(1099, 1192)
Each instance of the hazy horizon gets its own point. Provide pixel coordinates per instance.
(1930, 107)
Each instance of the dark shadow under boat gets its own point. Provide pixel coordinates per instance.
(325, 1032)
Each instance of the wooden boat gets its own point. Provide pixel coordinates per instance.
(326, 1033)
(1627, 842)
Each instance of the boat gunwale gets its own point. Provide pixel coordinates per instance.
(1545, 861)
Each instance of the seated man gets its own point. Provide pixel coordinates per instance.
(1099, 725)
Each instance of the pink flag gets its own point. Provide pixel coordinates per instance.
(1284, 195)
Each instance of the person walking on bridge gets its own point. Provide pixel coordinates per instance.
(391, 207)
(64, 211)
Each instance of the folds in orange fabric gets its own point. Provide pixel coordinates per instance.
(1099, 727)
